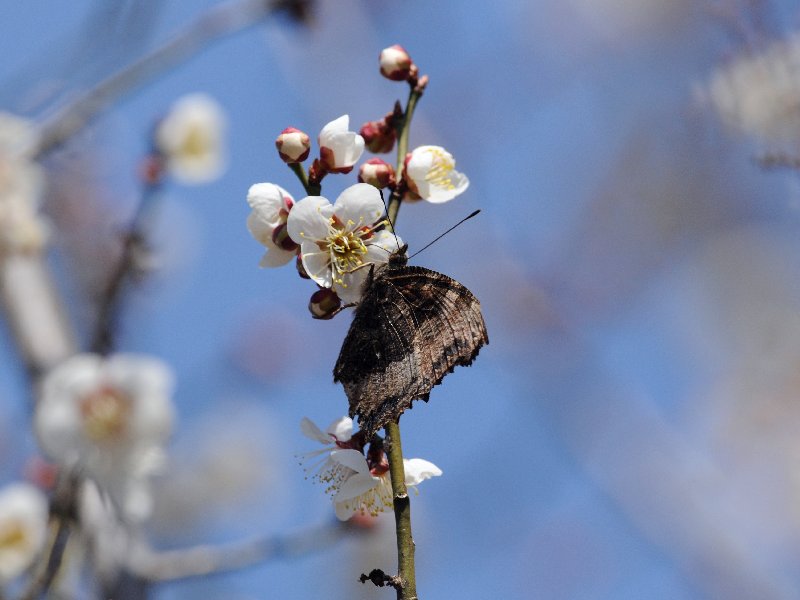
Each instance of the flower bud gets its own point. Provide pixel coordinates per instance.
(339, 149)
(324, 304)
(396, 64)
(293, 145)
(377, 172)
(379, 136)
(280, 237)
(301, 270)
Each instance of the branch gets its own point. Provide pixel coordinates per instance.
(207, 560)
(406, 581)
(219, 21)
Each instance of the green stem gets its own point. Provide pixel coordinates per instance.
(299, 170)
(402, 149)
(407, 589)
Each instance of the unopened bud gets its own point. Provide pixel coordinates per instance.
(293, 145)
(324, 304)
(379, 136)
(396, 64)
(280, 237)
(301, 270)
(377, 172)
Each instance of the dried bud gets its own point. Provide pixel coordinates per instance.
(377, 172)
(293, 145)
(396, 64)
(379, 136)
(324, 304)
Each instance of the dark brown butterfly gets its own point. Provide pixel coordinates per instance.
(411, 328)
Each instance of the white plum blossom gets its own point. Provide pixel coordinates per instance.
(337, 435)
(431, 175)
(109, 417)
(271, 205)
(369, 491)
(22, 229)
(340, 148)
(338, 240)
(759, 93)
(23, 528)
(191, 139)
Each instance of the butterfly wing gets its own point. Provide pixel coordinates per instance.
(412, 327)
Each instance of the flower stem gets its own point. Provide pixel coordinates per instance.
(407, 589)
(299, 170)
(402, 149)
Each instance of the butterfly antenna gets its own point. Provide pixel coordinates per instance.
(440, 236)
(386, 208)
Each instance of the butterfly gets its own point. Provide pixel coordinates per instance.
(412, 327)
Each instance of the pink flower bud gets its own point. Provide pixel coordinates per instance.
(379, 136)
(293, 145)
(324, 304)
(377, 172)
(396, 64)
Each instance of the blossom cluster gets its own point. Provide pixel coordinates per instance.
(331, 243)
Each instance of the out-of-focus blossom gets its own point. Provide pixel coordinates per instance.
(379, 136)
(110, 417)
(336, 239)
(22, 229)
(23, 528)
(271, 205)
(191, 139)
(293, 145)
(340, 149)
(396, 64)
(758, 94)
(376, 172)
(369, 490)
(430, 172)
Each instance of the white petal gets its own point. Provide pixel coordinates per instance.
(340, 125)
(261, 229)
(317, 264)
(360, 204)
(341, 429)
(353, 459)
(438, 195)
(267, 198)
(418, 470)
(355, 486)
(381, 246)
(309, 219)
(312, 432)
(344, 510)
(347, 148)
(352, 287)
(276, 257)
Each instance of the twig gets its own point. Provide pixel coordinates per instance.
(406, 581)
(207, 560)
(216, 23)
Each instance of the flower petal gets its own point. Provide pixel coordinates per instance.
(352, 459)
(312, 432)
(339, 125)
(355, 485)
(418, 470)
(360, 204)
(276, 257)
(341, 429)
(317, 264)
(309, 219)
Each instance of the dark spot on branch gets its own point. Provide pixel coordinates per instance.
(381, 579)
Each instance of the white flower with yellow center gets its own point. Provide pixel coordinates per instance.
(369, 491)
(111, 418)
(338, 241)
(191, 139)
(338, 435)
(430, 172)
(23, 528)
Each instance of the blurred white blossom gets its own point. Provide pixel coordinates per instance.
(22, 229)
(191, 139)
(23, 528)
(339, 147)
(759, 93)
(369, 490)
(337, 436)
(337, 238)
(431, 174)
(271, 205)
(110, 417)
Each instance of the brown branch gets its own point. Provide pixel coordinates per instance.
(406, 581)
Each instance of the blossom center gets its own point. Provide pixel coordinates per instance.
(440, 170)
(196, 143)
(346, 246)
(13, 535)
(105, 413)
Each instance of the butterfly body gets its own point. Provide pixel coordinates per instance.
(411, 327)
